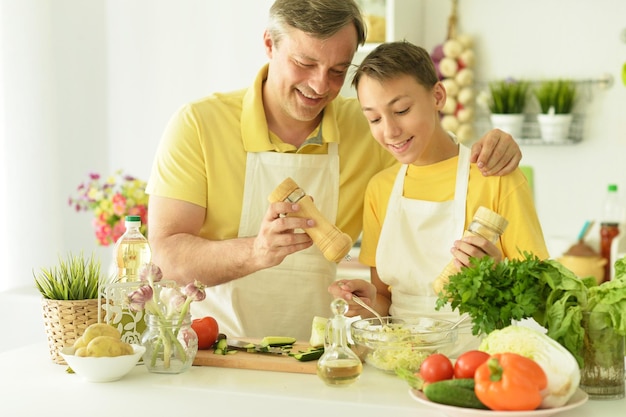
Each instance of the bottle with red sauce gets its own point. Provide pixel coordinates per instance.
(613, 213)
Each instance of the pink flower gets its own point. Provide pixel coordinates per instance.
(119, 204)
(111, 199)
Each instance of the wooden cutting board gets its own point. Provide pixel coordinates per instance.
(258, 361)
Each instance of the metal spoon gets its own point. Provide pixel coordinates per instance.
(461, 319)
(360, 302)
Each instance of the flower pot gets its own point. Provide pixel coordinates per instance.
(509, 123)
(65, 321)
(554, 127)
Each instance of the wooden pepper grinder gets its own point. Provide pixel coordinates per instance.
(486, 223)
(333, 243)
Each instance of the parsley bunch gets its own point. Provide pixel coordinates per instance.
(494, 295)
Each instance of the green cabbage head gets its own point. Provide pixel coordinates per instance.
(558, 363)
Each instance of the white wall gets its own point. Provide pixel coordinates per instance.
(89, 86)
(558, 38)
(161, 54)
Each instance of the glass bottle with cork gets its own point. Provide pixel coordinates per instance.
(485, 223)
(612, 216)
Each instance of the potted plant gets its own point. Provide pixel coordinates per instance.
(507, 101)
(556, 100)
(70, 300)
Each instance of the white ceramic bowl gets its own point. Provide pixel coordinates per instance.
(102, 369)
(402, 342)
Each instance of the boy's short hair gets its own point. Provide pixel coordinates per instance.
(393, 59)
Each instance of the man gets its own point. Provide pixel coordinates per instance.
(220, 158)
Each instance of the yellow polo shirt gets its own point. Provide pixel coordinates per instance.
(509, 196)
(201, 158)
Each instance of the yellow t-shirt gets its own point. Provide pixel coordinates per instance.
(202, 156)
(509, 195)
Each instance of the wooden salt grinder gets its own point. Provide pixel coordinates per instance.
(333, 243)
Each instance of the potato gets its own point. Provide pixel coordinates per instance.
(79, 343)
(108, 346)
(100, 329)
(81, 351)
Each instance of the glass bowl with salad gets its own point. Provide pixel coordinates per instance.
(401, 342)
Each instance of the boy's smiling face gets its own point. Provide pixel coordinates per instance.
(404, 117)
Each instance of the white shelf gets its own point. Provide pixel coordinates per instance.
(402, 21)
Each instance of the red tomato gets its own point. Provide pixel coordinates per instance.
(207, 330)
(436, 367)
(466, 364)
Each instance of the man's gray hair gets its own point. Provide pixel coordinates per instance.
(318, 18)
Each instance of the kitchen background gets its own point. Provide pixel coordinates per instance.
(88, 86)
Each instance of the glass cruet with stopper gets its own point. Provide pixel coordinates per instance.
(339, 365)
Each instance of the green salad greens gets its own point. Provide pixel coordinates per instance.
(496, 295)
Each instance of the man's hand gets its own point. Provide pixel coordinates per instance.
(496, 153)
(277, 236)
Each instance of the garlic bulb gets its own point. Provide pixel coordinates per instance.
(448, 67)
(455, 60)
(450, 106)
(450, 123)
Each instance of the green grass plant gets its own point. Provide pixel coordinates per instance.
(559, 94)
(73, 278)
(508, 96)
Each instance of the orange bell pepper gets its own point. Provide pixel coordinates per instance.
(510, 382)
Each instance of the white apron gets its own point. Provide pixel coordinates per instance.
(282, 300)
(414, 246)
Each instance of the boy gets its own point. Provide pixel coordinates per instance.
(413, 210)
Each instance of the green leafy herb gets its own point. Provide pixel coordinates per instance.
(495, 295)
(74, 278)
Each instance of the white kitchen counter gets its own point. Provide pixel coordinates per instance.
(31, 384)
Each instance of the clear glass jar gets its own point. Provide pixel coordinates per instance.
(171, 344)
(602, 374)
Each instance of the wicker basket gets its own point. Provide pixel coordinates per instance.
(65, 321)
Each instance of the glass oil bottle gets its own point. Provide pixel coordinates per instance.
(339, 365)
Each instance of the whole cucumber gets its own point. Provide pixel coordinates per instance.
(456, 392)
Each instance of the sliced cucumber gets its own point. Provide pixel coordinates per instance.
(221, 347)
(277, 341)
(308, 355)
